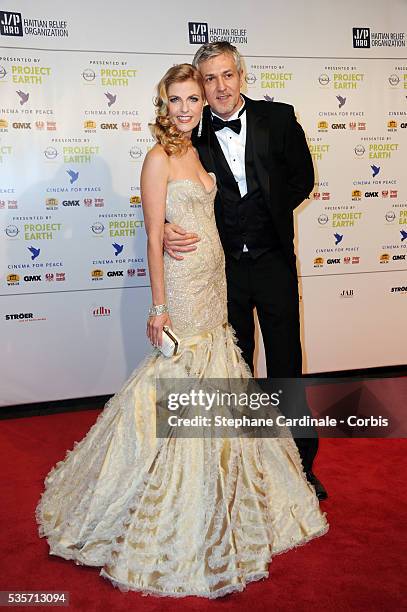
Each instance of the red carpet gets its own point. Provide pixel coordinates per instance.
(359, 565)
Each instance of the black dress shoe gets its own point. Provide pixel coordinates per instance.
(320, 490)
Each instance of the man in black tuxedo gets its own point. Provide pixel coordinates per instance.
(264, 171)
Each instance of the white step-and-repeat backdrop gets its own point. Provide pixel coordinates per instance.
(76, 89)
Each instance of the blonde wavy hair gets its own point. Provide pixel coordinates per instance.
(163, 129)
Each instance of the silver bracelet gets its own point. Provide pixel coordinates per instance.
(157, 310)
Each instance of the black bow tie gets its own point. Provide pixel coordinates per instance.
(219, 124)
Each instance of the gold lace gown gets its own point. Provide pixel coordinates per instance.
(177, 517)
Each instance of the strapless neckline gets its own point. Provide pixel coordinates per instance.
(186, 180)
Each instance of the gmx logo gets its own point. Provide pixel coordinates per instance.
(11, 24)
(198, 33)
(361, 38)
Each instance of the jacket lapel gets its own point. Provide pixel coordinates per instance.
(258, 130)
(211, 153)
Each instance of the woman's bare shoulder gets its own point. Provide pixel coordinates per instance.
(156, 160)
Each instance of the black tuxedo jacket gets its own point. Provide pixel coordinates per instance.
(281, 157)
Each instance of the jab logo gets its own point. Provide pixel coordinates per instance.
(11, 24)
(361, 38)
(198, 33)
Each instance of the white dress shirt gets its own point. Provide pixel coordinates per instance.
(234, 146)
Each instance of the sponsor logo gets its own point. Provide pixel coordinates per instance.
(111, 99)
(97, 274)
(89, 125)
(347, 293)
(323, 219)
(13, 279)
(136, 152)
(51, 153)
(375, 170)
(333, 260)
(101, 311)
(323, 79)
(400, 289)
(51, 203)
(318, 262)
(23, 97)
(318, 150)
(390, 216)
(34, 252)
(11, 24)
(135, 201)
(382, 151)
(118, 248)
(394, 79)
(19, 317)
(250, 78)
(360, 150)
(12, 231)
(23, 317)
(341, 101)
(70, 203)
(88, 75)
(18, 125)
(98, 228)
(41, 231)
(109, 126)
(384, 258)
(356, 194)
(124, 228)
(361, 38)
(114, 273)
(365, 38)
(141, 271)
(338, 238)
(200, 32)
(30, 278)
(325, 195)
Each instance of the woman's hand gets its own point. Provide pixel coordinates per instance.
(155, 326)
(178, 239)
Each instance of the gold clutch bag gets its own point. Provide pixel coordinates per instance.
(170, 342)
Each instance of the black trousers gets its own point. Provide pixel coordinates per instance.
(269, 284)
